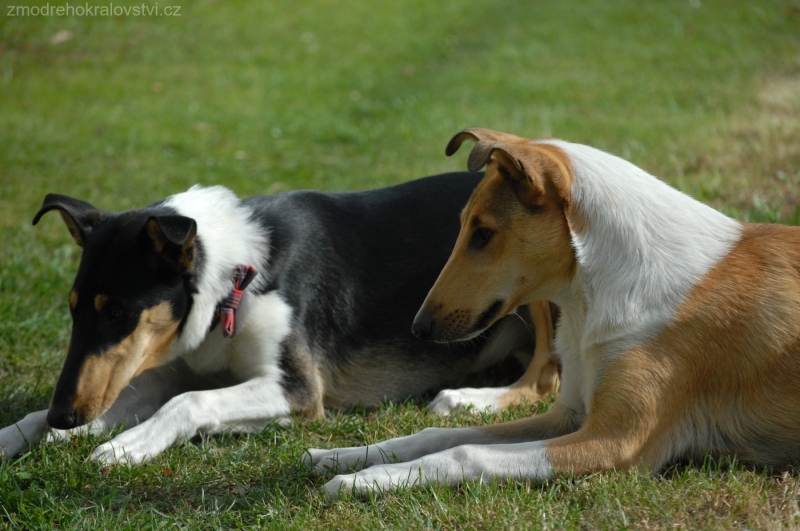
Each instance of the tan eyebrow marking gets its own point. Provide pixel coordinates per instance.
(73, 299)
(100, 301)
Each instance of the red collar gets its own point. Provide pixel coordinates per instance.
(226, 310)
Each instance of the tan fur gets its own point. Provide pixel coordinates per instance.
(73, 299)
(556, 422)
(74, 231)
(722, 377)
(372, 379)
(156, 235)
(305, 400)
(100, 301)
(183, 260)
(729, 360)
(541, 378)
(480, 133)
(103, 376)
(368, 380)
(533, 251)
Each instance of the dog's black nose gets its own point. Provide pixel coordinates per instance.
(62, 418)
(422, 326)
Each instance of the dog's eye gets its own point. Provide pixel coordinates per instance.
(480, 238)
(114, 313)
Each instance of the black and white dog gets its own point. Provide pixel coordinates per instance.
(168, 341)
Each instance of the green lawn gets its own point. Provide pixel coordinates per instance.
(278, 95)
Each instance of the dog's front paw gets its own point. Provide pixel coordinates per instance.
(339, 459)
(12, 442)
(344, 484)
(313, 456)
(111, 453)
(131, 447)
(375, 480)
(16, 438)
(333, 459)
(449, 400)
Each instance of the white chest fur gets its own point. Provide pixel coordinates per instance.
(262, 324)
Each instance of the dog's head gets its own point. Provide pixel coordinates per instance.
(130, 296)
(514, 246)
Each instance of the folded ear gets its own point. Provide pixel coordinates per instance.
(174, 239)
(517, 162)
(79, 216)
(542, 166)
(478, 134)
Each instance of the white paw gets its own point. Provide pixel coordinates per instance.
(12, 442)
(319, 459)
(449, 400)
(344, 485)
(343, 458)
(18, 437)
(111, 453)
(131, 447)
(53, 435)
(379, 478)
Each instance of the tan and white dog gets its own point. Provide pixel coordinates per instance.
(679, 333)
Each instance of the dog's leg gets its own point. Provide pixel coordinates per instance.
(542, 375)
(558, 421)
(625, 427)
(19, 436)
(136, 403)
(540, 379)
(142, 397)
(585, 451)
(246, 407)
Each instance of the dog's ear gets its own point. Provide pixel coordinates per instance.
(544, 166)
(478, 134)
(79, 216)
(488, 141)
(174, 239)
(516, 161)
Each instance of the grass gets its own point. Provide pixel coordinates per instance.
(270, 96)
